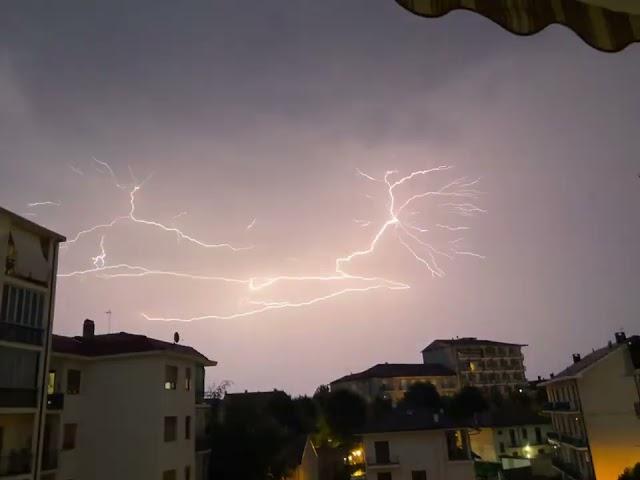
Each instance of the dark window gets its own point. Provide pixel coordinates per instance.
(384, 475)
(419, 475)
(21, 306)
(499, 432)
(524, 433)
(187, 379)
(187, 472)
(457, 444)
(382, 452)
(69, 436)
(170, 377)
(512, 437)
(187, 427)
(501, 447)
(541, 451)
(170, 427)
(169, 475)
(538, 436)
(73, 382)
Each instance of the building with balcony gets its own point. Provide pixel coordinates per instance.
(593, 405)
(392, 380)
(125, 406)
(414, 445)
(480, 363)
(28, 269)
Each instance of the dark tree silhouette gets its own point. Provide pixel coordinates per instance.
(632, 473)
(466, 403)
(422, 395)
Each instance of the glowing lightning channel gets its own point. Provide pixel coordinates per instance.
(422, 251)
(44, 204)
(252, 224)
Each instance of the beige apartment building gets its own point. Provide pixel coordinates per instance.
(480, 363)
(391, 380)
(125, 406)
(28, 269)
(416, 446)
(594, 405)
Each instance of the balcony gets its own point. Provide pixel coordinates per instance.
(389, 462)
(18, 397)
(19, 333)
(558, 407)
(569, 469)
(49, 460)
(55, 401)
(574, 442)
(15, 463)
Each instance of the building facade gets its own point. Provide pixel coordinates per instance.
(125, 406)
(594, 406)
(28, 269)
(391, 380)
(485, 364)
(417, 446)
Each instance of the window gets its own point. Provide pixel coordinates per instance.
(22, 306)
(538, 436)
(169, 475)
(382, 452)
(512, 437)
(457, 444)
(187, 379)
(51, 382)
(170, 428)
(187, 427)
(170, 377)
(73, 382)
(524, 433)
(384, 476)
(501, 447)
(541, 451)
(419, 475)
(499, 432)
(69, 436)
(187, 472)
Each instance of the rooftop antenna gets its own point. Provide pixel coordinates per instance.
(108, 313)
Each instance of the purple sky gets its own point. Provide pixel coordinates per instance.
(264, 110)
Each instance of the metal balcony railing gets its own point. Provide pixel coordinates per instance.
(19, 333)
(558, 407)
(18, 397)
(15, 463)
(55, 401)
(390, 460)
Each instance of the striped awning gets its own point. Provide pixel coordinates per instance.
(608, 25)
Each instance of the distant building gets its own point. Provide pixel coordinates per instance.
(28, 269)
(480, 363)
(392, 380)
(417, 446)
(595, 409)
(125, 406)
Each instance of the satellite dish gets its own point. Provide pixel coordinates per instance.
(176, 337)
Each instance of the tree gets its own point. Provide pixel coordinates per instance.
(344, 412)
(422, 395)
(466, 403)
(631, 473)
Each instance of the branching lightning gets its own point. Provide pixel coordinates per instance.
(44, 204)
(458, 196)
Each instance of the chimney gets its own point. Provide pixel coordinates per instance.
(576, 357)
(88, 329)
(552, 375)
(539, 377)
(620, 337)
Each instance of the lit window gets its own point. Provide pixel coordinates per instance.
(170, 377)
(457, 444)
(69, 436)
(73, 382)
(51, 383)
(170, 428)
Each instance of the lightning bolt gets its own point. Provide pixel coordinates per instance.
(460, 192)
(44, 204)
(251, 225)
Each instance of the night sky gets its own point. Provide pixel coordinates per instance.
(235, 111)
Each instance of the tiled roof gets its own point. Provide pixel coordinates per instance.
(411, 420)
(594, 357)
(470, 341)
(120, 343)
(388, 370)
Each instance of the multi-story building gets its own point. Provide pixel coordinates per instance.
(391, 380)
(416, 446)
(125, 406)
(28, 269)
(485, 364)
(595, 410)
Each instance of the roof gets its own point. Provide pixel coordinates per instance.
(469, 341)
(32, 226)
(121, 343)
(594, 357)
(388, 370)
(507, 417)
(411, 421)
(293, 450)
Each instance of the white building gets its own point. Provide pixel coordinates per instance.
(125, 406)
(417, 446)
(28, 268)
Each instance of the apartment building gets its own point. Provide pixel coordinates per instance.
(594, 406)
(28, 269)
(392, 380)
(480, 363)
(125, 406)
(417, 446)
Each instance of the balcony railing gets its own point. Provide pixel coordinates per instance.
(18, 397)
(20, 333)
(55, 401)
(49, 460)
(575, 442)
(570, 470)
(558, 407)
(383, 462)
(15, 463)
